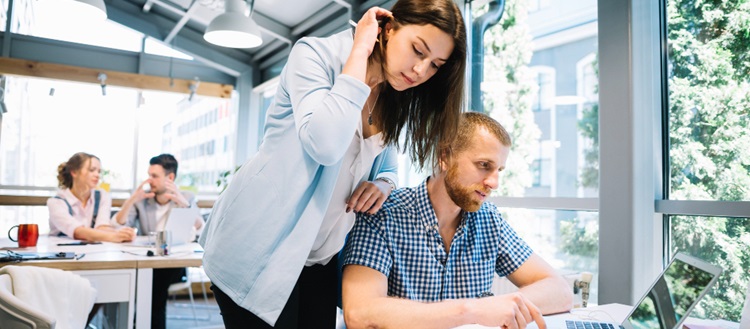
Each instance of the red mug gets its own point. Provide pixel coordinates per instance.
(27, 235)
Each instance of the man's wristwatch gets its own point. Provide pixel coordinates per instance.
(389, 181)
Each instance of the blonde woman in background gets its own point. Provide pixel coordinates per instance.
(79, 210)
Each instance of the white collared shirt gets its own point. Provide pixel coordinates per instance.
(61, 221)
(355, 168)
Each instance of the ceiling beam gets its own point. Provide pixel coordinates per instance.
(183, 20)
(22, 67)
(267, 49)
(283, 54)
(272, 27)
(387, 4)
(74, 54)
(230, 61)
(316, 19)
(266, 24)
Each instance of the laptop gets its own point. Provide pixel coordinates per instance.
(181, 223)
(667, 303)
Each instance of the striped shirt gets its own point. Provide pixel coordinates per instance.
(402, 241)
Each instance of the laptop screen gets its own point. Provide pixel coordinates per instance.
(674, 294)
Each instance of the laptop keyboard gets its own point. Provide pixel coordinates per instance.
(570, 324)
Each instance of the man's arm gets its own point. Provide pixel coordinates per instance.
(367, 305)
(124, 215)
(541, 284)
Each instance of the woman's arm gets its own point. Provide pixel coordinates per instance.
(104, 233)
(327, 109)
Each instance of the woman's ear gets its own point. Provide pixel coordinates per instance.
(388, 30)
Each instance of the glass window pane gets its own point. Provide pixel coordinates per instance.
(200, 132)
(62, 118)
(46, 20)
(709, 100)
(724, 242)
(568, 240)
(541, 82)
(3, 14)
(154, 47)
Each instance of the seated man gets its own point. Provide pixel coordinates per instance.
(435, 248)
(151, 211)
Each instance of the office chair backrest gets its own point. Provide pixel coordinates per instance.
(16, 314)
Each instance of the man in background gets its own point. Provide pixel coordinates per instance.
(149, 211)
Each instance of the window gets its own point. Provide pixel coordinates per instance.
(540, 77)
(43, 19)
(723, 242)
(545, 86)
(124, 129)
(707, 164)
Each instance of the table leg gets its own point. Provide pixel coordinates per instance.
(145, 278)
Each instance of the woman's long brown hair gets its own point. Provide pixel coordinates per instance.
(430, 112)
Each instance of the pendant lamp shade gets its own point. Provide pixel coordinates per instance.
(233, 28)
(78, 11)
(91, 8)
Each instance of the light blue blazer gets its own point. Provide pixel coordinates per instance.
(264, 224)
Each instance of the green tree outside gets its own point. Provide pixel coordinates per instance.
(709, 104)
(709, 112)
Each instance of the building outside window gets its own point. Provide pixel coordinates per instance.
(531, 86)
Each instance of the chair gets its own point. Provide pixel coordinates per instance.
(188, 284)
(16, 314)
(38, 297)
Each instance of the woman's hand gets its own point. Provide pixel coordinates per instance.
(369, 197)
(367, 29)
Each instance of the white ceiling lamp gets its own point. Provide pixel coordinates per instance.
(234, 28)
(87, 10)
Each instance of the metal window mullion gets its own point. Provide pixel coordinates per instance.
(709, 208)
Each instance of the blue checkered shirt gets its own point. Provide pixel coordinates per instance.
(402, 242)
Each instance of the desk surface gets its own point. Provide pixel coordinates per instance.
(106, 256)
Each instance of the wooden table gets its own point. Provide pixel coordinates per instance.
(120, 273)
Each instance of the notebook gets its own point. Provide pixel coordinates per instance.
(9, 255)
(667, 303)
(181, 223)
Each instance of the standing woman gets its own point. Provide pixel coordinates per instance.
(329, 150)
(75, 211)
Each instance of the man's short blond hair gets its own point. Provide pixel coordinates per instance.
(469, 123)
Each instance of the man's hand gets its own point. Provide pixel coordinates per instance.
(139, 194)
(173, 194)
(369, 197)
(512, 311)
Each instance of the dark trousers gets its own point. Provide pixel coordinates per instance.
(311, 305)
(163, 278)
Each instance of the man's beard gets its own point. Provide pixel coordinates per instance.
(463, 196)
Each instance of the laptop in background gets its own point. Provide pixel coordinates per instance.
(666, 304)
(181, 222)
